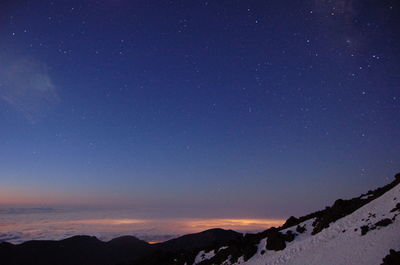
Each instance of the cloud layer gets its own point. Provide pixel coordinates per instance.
(19, 225)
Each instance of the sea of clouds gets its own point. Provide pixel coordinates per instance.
(22, 224)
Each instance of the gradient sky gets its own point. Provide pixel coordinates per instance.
(240, 109)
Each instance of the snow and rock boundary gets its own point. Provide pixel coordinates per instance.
(299, 239)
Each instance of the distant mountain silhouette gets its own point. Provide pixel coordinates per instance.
(88, 250)
(203, 239)
(77, 250)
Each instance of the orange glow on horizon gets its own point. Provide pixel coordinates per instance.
(152, 230)
(236, 222)
(106, 221)
(188, 225)
(170, 226)
(154, 242)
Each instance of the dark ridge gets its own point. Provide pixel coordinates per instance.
(340, 208)
(80, 240)
(89, 250)
(343, 208)
(393, 258)
(75, 250)
(291, 221)
(247, 246)
(203, 239)
(184, 249)
(127, 240)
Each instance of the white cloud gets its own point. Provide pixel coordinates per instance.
(25, 85)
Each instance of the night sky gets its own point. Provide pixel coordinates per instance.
(239, 109)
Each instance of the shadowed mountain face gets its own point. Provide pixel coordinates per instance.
(87, 250)
(74, 250)
(200, 240)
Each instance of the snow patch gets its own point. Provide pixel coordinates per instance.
(341, 243)
(202, 255)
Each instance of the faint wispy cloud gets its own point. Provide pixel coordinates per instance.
(25, 84)
(27, 210)
(11, 237)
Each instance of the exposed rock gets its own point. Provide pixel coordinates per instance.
(397, 208)
(276, 240)
(301, 229)
(342, 208)
(364, 229)
(392, 259)
(291, 222)
(384, 222)
(289, 237)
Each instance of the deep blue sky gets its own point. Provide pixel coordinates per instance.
(201, 108)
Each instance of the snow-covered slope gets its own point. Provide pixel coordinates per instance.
(363, 237)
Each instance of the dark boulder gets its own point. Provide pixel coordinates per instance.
(276, 240)
(289, 236)
(384, 222)
(364, 229)
(397, 208)
(291, 222)
(392, 259)
(300, 229)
